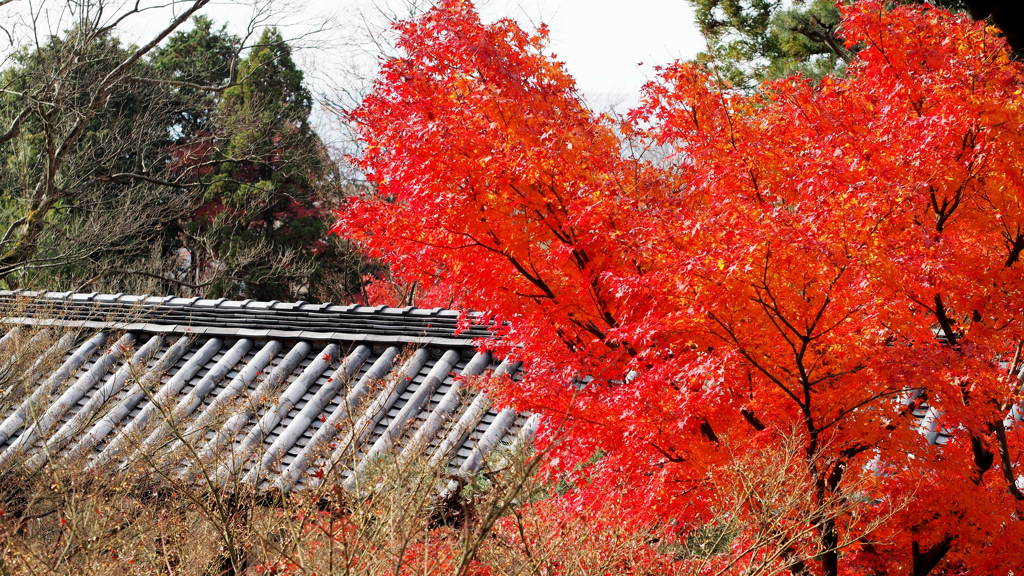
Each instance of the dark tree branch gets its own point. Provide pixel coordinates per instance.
(113, 271)
(179, 84)
(944, 322)
(10, 230)
(925, 562)
(124, 177)
(1016, 246)
(1005, 463)
(15, 128)
(752, 419)
(825, 35)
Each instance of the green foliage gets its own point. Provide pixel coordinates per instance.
(94, 217)
(202, 57)
(125, 116)
(259, 227)
(706, 541)
(803, 35)
(753, 40)
(737, 33)
(750, 41)
(270, 85)
(191, 148)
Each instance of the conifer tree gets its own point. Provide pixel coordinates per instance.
(259, 227)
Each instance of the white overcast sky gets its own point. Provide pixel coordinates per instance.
(602, 42)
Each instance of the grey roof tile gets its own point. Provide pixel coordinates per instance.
(250, 333)
(285, 334)
(234, 304)
(252, 315)
(206, 302)
(252, 338)
(179, 302)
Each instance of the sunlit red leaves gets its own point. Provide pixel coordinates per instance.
(786, 258)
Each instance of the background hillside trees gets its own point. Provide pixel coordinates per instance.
(263, 181)
(83, 184)
(186, 165)
(200, 64)
(750, 41)
(841, 258)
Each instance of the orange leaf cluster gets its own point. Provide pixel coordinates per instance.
(719, 268)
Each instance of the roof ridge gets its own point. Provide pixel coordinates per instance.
(247, 314)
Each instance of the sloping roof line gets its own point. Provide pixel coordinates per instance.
(244, 314)
(264, 406)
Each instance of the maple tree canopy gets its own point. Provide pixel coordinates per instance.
(720, 271)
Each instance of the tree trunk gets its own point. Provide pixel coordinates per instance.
(925, 562)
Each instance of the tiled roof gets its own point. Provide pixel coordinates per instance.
(262, 391)
(234, 317)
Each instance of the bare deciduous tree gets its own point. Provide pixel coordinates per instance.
(63, 96)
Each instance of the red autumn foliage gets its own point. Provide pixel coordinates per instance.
(721, 267)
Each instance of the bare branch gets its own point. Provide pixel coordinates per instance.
(1004, 461)
(15, 128)
(179, 84)
(10, 230)
(112, 271)
(115, 76)
(127, 176)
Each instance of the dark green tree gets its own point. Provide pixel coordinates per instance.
(200, 63)
(85, 193)
(750, 41)
(170, 167)
(267, 182)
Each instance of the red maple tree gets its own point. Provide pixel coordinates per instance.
(689, 286)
